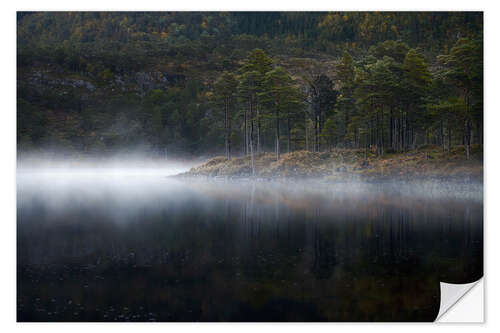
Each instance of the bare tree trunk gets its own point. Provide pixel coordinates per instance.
(277, 134)
(315, 133)
(391, 126)
(377, 148)
(395, 134)
(401, 132)
(259, 149)
(288, 133)
(346, 119)
(320, 130)
(382, 131)
(246, 133)
(467, 139)
(407, 130)
(467, 134)
(251, 138)
(397, 144)
(441, 130)
(449, 136)
(229, 133)
(368, 138)
(251, 158)
(371, 132)
(226, 116)
(307, 132)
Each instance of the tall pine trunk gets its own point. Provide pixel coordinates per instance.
(315, 133)
(246, 133)
(391, 126)
(467, 126)
(376, 133)
(401, 132)
(407, 130)
(259, 149)
(345, 127)
(288, 133)
(277, 134)
(228, 147)
(382, 131)
(251, 138)
(441, 130)
(467, 138)
(306, 132)
(449, 136)
(320, 129)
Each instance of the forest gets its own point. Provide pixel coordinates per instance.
(242, 83)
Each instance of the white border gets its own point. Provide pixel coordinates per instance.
(8, 134)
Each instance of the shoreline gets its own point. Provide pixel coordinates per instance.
(345, 166)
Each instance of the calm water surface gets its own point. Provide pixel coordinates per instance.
(147, 248)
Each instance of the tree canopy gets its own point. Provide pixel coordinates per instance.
(244, 83)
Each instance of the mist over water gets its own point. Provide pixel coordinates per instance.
(123, 241)
(120, 164)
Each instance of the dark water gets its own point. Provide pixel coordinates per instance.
(153, 249)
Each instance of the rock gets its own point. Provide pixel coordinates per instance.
(364, 164)
(341, 169)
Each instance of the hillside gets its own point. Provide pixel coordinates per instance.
(96, 83)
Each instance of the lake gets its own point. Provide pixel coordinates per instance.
(140, 246)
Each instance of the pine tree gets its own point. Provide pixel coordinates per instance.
(345, 103)
(323, 97)
(258, 63)
(464, 69)
(416, 82)
(225, 93)
(248, 87)
(282, 98)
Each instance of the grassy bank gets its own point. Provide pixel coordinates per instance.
(345, 164)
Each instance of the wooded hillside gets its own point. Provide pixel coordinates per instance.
(191, 84)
